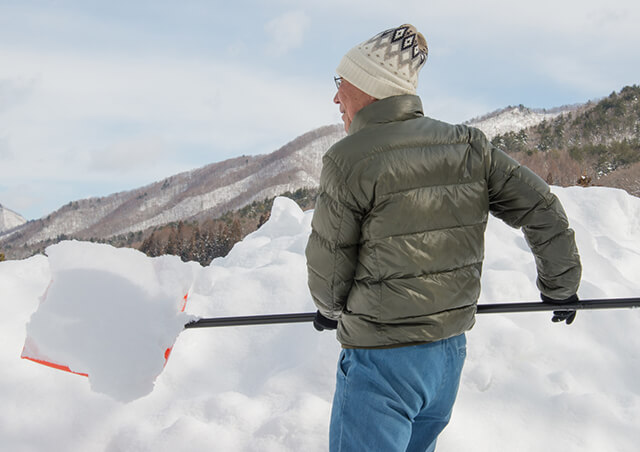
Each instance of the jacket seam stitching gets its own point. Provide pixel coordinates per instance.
(447, 228)
(537, 246)
(334, 302)
(379, 304)
(379, 149)
(421, 187)
(423, 275)
(511, 174)
(343, 178)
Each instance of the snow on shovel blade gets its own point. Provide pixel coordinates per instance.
(32, 352)
(111, 315)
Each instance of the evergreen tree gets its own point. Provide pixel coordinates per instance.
(173, 244)
(195, 246)
(263, 219)
(151, 246)
(235, 232)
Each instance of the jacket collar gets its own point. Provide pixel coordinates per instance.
(389, 109)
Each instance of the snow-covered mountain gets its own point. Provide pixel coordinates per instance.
(9, 219)
(206, 192)
(212, 190)
(513, 119)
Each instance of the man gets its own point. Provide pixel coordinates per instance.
(396, 249)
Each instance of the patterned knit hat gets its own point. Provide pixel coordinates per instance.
(387, 64)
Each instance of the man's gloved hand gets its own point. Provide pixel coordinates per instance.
(322, 323)
(562, 316)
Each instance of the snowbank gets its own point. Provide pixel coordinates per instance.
(528, 384)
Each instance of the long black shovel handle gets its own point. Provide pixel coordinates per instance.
(605, 303)
(252, 320)
(495, 308)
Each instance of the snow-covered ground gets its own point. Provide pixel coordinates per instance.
(528, 384)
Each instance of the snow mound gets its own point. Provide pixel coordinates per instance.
(528, 384)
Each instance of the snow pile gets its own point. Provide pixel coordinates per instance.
(528, 384)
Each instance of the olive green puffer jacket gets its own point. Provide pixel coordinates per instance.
(397, 240)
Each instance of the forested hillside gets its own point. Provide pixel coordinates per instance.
(205, 240)
(597, 144)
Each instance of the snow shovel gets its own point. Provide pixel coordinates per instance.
(492, 308)
(111, 315)
(31, 351)
(126, 390)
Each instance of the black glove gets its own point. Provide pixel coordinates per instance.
(562, 316)
(322, 323)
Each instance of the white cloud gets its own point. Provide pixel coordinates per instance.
(582, 75)
(5, 149)
(89, 117)
(286, 32)
(129, 155)
(32, 196)
(14, 91)
(78, 84)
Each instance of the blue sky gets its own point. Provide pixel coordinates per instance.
(98, 97)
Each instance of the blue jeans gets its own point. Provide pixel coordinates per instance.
(396, 399)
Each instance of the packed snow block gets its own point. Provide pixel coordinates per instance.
(111, 314)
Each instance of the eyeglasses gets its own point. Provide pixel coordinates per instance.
(338, 81)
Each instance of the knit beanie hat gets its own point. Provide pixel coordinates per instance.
(387, 64)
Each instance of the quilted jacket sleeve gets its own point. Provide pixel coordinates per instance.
(332, 250)
(523, 200)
